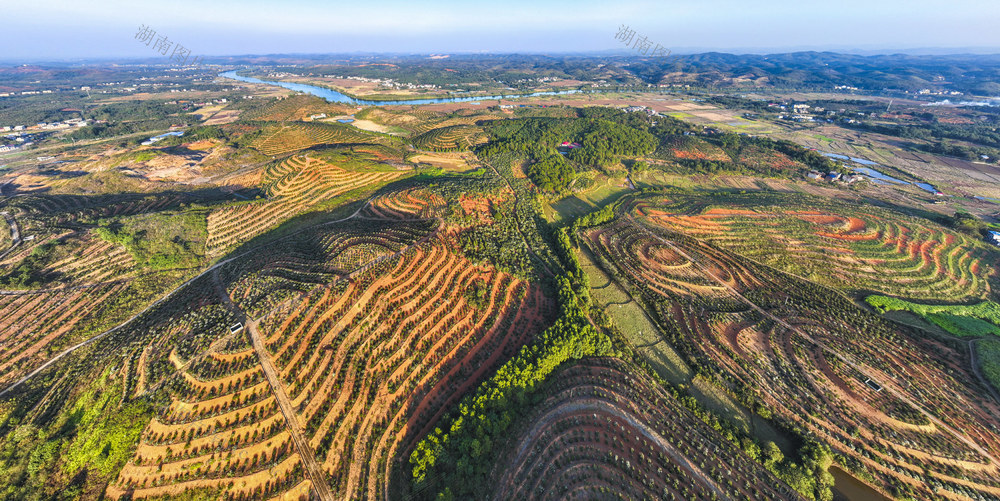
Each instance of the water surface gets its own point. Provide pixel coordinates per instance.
(337, 97)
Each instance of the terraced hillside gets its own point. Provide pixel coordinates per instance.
(371, 363)
(297, 107)
(33, 324)
(405, 204)
(221, 433)
(452, 138)
(905, 408)
(287, 138)
(295, 186)
(607, 431)
(835, 244)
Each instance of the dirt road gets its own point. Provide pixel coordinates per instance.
(313, 469)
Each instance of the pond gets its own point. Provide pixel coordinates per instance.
(874, 174)
(878, 176)
(337, 97)
(861, 161)
(847, 487)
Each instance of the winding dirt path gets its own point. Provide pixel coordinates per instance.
(15, 234)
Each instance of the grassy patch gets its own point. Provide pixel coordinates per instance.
(160, 241)
(630, 319)
(976, 320)
(963, 326)
(988, 352)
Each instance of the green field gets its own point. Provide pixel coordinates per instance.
(988, 352)
(970, 321)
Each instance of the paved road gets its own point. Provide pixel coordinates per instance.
(844, 358)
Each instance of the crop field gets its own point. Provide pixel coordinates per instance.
(295, 185)
(405, 204)
(605, 431)
(834, 244)
(453, 138)
(890, 401)
(33, 324)
(371, 363)
(222, 433)
(295, 108)
(287, 138)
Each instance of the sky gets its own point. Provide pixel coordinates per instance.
(51, 30)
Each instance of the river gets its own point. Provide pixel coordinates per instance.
(337, 97)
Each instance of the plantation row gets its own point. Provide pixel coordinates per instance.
(222, 433)
(297, 264)
(837, 245)
(454, 138)
(34, 326)
(606, 431)
(293, 108)
(425, 126)
(303, 186)
(370, 364)
(770, 366)
(63, 208)
(278, 140)
(405, 204)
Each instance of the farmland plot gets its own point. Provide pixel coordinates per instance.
(835, 244)
(607, 431)
(370, 364)
(295, 186)
(891, 402)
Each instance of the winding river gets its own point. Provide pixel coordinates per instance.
(337, 97)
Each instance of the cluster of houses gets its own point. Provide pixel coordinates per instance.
(834, 177)
(65, 124)
(995, 238)
(803, 112)
(190, 105)
(384, 82)
(26, 93)
(18, 140)
(642, 109)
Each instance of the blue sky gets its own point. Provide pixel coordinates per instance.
(60, 29)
